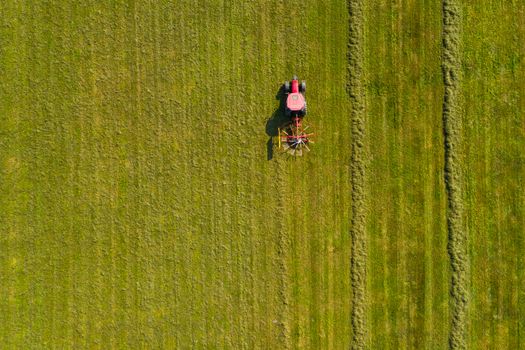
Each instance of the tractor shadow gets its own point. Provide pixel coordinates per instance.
(277, 120)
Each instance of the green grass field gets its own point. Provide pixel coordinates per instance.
(142, 204)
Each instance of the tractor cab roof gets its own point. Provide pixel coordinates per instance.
(295, 101)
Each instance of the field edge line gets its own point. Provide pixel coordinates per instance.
(356, 93)
(453, 174)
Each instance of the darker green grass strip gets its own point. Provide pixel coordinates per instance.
(452, 125)
(357, 169)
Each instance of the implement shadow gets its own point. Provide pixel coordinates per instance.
(277, 120)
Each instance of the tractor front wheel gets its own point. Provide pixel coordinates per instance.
(303, 86)
(287, 86)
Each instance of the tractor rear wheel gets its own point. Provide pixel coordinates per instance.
(287, 86)
(303, 86)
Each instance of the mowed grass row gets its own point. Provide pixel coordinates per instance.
(358, 165)
(453, 172)
(138, 207)
(408, 265)
(494, 124)
(319, 182)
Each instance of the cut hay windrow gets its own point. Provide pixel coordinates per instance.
(357, 168)
(283, 247)
(452, 125)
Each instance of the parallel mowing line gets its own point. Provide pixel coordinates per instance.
(457, 244)
(283, 241)
(357, 167)
(283, 246)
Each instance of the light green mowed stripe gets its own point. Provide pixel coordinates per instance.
(408, 265)
(494, 93)
(320, 180)
(14, 183)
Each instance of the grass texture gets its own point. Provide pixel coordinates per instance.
(138, 205)
(143, 205)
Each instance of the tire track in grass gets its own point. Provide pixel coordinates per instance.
(205, 229)
(357, 169)
(70, 85)
(230, 213)
(388, 160)
(138, 206)
(315, 243)
(264, 217)
(221, 227)
(317, 234)
(59, 243)
(102, 145)
(81, 276)
(183, 188)
(215, 52)
(378, 62)
(278, 243)
(263, 296)
(493, 36)
(401, 173)
(15, 179)
(172, 132)
(436, 270)
(200, 211)
(262, 204)
(340, 303)
(113, 165)
(428, 207)
(301, 298)
(51, 167)
(237, 289)
(130, 296)
(405, 195)
(151, 176)
(283, 244)
(247, 125)
(96, 145)
(520, 205)
(242, 158)
(283, 247)
(160, 263)
(13, 173)
(328, 185)
(416, 159)
(321, 221)
(225, 220)
(76, 311)
(197, 183)
(126, 185)
(452, 128)
(36, 110)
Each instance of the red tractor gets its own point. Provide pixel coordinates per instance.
(292, 135)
